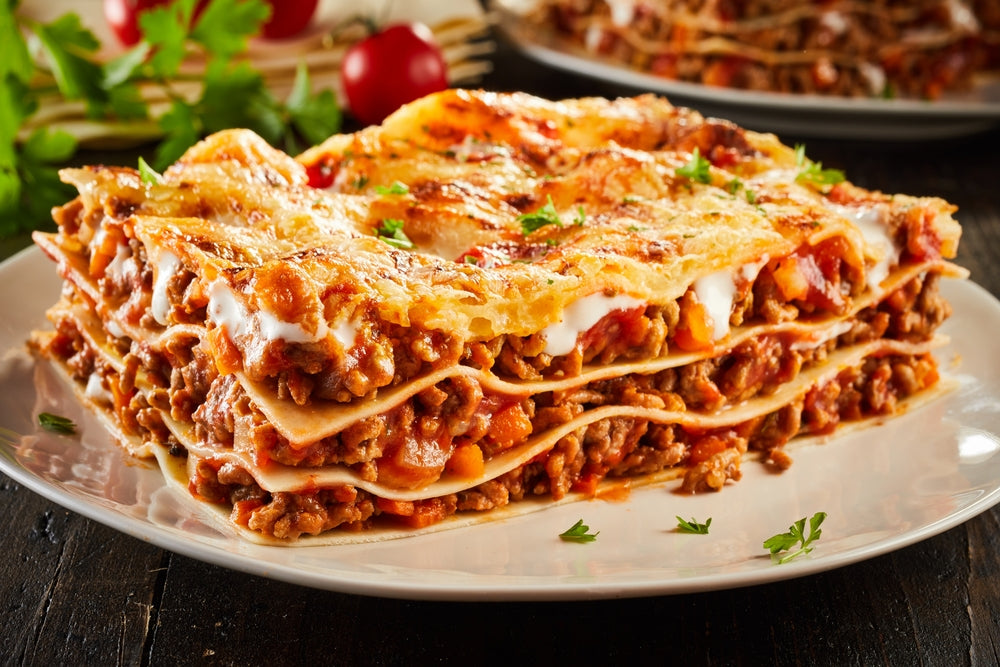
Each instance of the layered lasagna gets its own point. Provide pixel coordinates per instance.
(487, 299)
(885, 48)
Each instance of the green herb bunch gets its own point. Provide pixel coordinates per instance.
(230, 93)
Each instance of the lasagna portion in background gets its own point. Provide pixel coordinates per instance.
(880, 48)
(488, 298)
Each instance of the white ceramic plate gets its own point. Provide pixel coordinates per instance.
(883, 488)
(801, 115)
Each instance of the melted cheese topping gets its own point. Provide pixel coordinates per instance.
(872, 223)
(716, 292)
(167, 264)
(579, 317)
(226, 310)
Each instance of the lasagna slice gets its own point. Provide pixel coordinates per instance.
(488, 298)
(911, 48)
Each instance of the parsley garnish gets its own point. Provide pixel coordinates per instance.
(396, 188)
(693, 526)
(579, 533)
(546, 215)
(56, 424)
(795, 536)
(813, 172)
(697, 168)
(391, 231)
(580, 218)
(147, 174)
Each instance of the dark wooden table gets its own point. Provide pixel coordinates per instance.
(73, 591)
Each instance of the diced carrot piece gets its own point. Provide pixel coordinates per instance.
(397, 507)
(790, 279)
(509, 426)
(466, 462)
(694, 330)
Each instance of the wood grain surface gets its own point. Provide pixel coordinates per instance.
(74, 592)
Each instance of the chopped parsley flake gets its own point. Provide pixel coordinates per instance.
(391, 231)
(56, 423)
(546, 215)
(697, 169)
(396, 188)
(813, 172)
(579, 533)
(693, 526)
(147, 174)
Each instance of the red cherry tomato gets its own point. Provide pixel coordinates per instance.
(390, 68)
(288, 18)
(123, 18)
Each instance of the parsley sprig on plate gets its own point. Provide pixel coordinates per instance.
(579, 532)
(796, 542)
(693, 526)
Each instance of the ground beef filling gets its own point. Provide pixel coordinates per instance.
(619, 447)
(458, 411)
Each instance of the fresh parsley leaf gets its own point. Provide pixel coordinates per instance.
(693, 526)
(165, 28)
(238, 97)
(69, 50)
(314, 116)
(391, 231)
(180, 129)
(579, 533)
(224, 26)
(56, 423)
(147, 174)
(39, 183)
(697, 168)
(795, 537)
(14, 55)
(396, 188)
(546, 215)
(119, 70)
(813, 172)
(580, 218)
